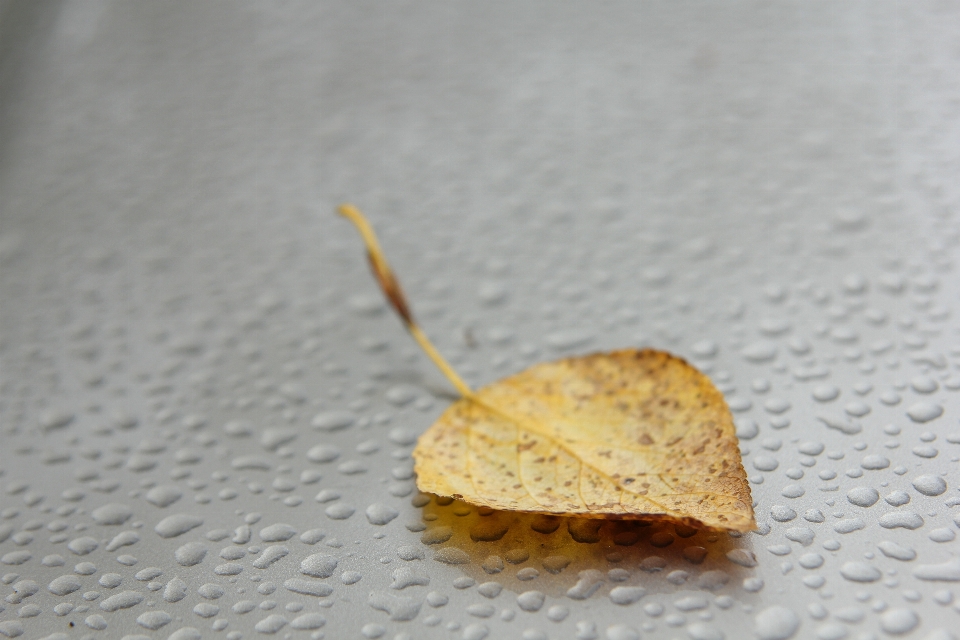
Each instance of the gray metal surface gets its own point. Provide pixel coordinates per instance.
(206, 412)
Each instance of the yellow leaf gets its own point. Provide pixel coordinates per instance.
(623, 434)
(628, 434)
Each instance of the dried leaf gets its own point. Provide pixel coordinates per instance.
(619, 434)
(627, 434)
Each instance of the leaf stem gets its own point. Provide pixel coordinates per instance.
(391, 289)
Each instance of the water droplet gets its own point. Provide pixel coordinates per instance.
(210, 591)
(83, 545)
(704, 349)
(16, 557)
(488, 530)
(896, 551)
(311, 537)
(760, 351)
(400, 608)
(776, 405)
(925, 451)
(190, 554)
(555, 564)
(622, 632)
(111, 514)
(901, 519)
(747, 429)
(899, 621)
(517, 556)
(54, 419)
(123, 539)
(175, 590)
(163, 495)
(339, 511)
(154, 620)
(241, 535)
(110, 580)
(237, 429)
(64, 585)
(924, 411)
(626, 595)
(713, 580)
(437, 535)
(270, 555)
(890, 398)
(95, 622)
(492, 293)
(206, 610)
(765, 463)
(380, 514)
(694, 554)
(776, 623)
(849, 525)
(924, 384)
(652, 564)
(319, 565)
(704, 631)
(825, 393)
(589, 581)
(792, 491)
(661, 539)
(802, 535)
(942, 534)
(308, 621)
(333, 420)
(404, 577)
(874, 462)
(274, 438)
(930, 485)
(531, 600)
(860, 572)
(897, 498)
(856, 409)
(271, 624)
(122, 600)
(840, 423)
(475, 631)
(584, 530)
(177, 525)
(863, 496)
(948, 571)
(811, 561)
(350, 577)
(308, 587)
(691, 603)
(781, 513)
(451, 555)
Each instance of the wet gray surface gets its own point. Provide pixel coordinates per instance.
(207, 412)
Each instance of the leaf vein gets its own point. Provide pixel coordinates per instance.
(545, 434)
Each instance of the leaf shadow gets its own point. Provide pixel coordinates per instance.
(566, 555)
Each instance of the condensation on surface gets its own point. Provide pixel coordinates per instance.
(207, 412)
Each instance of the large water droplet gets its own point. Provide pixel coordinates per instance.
(930, 485)
(776, 623)
(924, 411)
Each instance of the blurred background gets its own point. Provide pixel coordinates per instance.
(187, 330)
